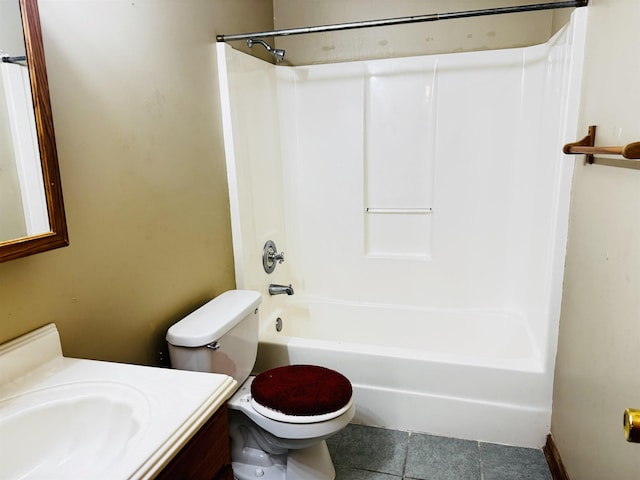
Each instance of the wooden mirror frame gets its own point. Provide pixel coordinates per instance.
(57, 236)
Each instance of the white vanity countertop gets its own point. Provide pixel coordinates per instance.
(167, 408)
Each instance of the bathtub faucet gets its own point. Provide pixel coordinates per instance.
(280, 289)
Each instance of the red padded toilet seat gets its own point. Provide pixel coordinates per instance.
(302, 390)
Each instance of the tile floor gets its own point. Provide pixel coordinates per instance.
(369, 453)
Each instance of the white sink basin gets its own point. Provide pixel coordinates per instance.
(69, 418)
(82, 429)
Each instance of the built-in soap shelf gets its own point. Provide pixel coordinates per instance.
(423, 211)
(398, 232)
(586, 146)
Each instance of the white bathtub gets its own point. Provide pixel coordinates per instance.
(475, 375)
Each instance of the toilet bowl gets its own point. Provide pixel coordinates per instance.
(291, 447)
(278, 420)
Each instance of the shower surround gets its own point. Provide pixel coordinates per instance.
(422, 204)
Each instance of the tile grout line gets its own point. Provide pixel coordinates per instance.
(406, 455)
(480, 461)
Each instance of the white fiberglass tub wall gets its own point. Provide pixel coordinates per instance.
(429, 189)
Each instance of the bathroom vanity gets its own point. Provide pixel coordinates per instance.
(66, 418)
(206, 456)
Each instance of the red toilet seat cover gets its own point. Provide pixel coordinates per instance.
(301, 390)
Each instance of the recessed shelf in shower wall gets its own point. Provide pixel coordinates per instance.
(398, 232)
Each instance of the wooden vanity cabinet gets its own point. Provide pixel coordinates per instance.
(206, 456)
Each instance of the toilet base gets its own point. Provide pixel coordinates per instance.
(311, 463)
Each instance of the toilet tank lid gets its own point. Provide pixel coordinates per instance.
(215, 318)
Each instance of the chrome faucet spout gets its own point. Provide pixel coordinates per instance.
(280, 289)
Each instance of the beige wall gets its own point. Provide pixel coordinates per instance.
(597, 364)
(481, 33)
(136, 111)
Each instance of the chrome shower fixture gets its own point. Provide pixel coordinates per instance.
(270, 256)
(277, 53)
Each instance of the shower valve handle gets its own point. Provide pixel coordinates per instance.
(279, 257)
(270, 256)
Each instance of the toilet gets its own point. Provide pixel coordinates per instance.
(279, 419)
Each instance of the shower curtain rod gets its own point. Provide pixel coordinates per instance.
(432, 17)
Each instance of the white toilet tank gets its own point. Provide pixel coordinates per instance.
(219, 337)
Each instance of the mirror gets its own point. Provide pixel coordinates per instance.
(32, 218)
